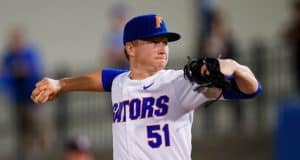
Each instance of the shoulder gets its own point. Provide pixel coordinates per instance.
(120, 81)
(121, 76)
(170, 77)
(171, 74)
(110, 75)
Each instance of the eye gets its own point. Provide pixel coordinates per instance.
(165, 42)
(155, 41)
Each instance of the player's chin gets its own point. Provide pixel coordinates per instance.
(161, 64)
(161, 60)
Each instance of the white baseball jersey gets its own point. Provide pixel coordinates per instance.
(152, 118)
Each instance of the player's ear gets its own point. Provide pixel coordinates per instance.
(129, 47)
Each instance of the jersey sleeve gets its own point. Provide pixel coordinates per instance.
(108, 75)
(235, 93)
(185, 94)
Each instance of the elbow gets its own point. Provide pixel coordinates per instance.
(257, 91)
(250, 88)
(253, 88)
(247, 82)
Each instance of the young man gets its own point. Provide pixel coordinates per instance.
(152, 107)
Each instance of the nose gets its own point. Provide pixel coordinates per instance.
(162, 51)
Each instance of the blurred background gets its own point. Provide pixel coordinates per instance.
(72, 37)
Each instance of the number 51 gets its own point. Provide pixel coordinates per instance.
(154, 135)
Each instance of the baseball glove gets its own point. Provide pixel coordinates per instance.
(214, 78)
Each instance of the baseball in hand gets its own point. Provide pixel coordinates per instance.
(46, 90)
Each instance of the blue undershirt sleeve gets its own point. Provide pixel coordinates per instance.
(108, 75)
(235, 93)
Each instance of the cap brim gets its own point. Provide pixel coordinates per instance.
(170, 35)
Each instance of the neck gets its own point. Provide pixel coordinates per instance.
(139, 72)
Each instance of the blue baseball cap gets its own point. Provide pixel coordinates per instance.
(147, 26)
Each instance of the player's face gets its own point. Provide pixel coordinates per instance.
(152, 52)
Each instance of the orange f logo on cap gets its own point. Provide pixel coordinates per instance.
(158, 21)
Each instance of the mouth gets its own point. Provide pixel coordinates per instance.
(161, 58)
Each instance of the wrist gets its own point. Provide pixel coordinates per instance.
(61, 86)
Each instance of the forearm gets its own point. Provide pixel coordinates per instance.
(88, 82)
(245, 79)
